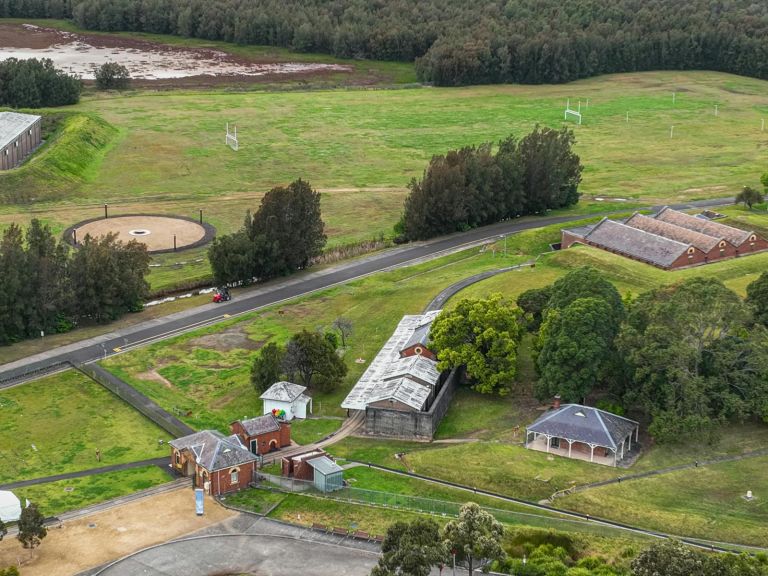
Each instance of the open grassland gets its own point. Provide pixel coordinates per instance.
(361, 147)
(203, 376)
(705, 502)
(54, 426)
(56, 497)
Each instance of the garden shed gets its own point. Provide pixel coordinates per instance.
(328, 476)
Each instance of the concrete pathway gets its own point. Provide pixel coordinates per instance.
(161, 462)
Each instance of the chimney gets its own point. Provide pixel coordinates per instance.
(556, 403)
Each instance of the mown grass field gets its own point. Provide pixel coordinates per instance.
(55, 425)
(56, 497)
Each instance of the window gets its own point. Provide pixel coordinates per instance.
(555, 443)
(178, 458)
(233, 477)
(691, 250)
(753, 238)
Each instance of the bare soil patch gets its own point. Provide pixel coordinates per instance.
(230, 339)
(154, 376)
(149, 63)
(156, 232)
(116, 532)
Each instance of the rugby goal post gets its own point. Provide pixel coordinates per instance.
(231, 138)
(572, 114)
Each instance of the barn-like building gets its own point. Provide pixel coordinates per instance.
(20, 135)
(669, 239)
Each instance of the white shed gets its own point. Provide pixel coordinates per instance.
(10, 507)
(287, 401)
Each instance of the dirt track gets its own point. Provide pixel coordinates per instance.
(161, 230)
(117, 532)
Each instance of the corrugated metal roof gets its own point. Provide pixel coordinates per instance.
(584, 424)
(639, 244)
(13, 125)
(283, 392)
(735, 236)
(419, 336)
(214, 451)
(703, 242)
(420, 368)
(373, 384)
(405, 390)
(325, 465)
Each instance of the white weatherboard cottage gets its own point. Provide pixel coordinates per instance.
(10, 507)
(287, 401)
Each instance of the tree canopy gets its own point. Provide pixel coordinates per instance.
(284, 235)
(455, 42)
(311, 360)
(31, 527)
(33, 83)
(757, 297)
(411, 549)
(481, 335)
(748, 196)
(474, 537)
(473, 186)
(112, 76)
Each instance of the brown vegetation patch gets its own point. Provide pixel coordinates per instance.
(154, 376)
(230, 339)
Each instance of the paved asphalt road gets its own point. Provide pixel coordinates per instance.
(274, 292)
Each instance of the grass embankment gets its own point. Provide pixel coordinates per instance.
(56, 497)
(75, 144)
(54, 425)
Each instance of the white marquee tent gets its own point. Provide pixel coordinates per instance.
(10, 507)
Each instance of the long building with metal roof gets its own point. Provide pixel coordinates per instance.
(20, 135)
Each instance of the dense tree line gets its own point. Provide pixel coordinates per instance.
(33, 83)
(473, 186)
(284, 235)
(457, 42)
(46, 287)
(691, 355)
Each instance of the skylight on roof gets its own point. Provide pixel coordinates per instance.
(580, 413)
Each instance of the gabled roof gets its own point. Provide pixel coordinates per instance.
(703, 242)
(584, 424)
(283, 392)
(325, 465)
(420, 335)
(419, 368)
(639, 244)
(260, 425)
(373, 384)
(735, 236)
(13, 125)
(405, 390)
(214, 451)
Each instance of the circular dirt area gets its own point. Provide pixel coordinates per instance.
(156, 232)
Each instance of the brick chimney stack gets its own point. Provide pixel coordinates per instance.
(556, 403)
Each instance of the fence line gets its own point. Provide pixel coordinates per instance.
(443, 508)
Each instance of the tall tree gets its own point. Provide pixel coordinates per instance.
(13, 288)
(576, 348)
(475, 537)
(411, 549)
(344, 326)
(748, 196)
(585, 282)
(312, 361)
(481, 335)
(757, 298)
(31, 527)
(267, 367)
(533, 302)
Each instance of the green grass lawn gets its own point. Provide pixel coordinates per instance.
(361, 147)
(57, 497)
(313, 429)
(255, 500)
(705, 502)
(54, 425)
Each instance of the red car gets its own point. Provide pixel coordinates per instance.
(222, 295)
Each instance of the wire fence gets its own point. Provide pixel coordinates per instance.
(443, 508)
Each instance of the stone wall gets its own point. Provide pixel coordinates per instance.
(412, 425)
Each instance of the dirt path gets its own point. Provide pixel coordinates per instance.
(103, 536)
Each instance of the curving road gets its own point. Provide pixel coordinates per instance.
(275, 292)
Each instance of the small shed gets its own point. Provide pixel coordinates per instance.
(328, 476)
(10, 507)
(286, 401)
(20, 135)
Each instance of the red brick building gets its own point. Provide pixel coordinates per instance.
(216, 463)
(668, 240)
(297, 466)
(263, 434)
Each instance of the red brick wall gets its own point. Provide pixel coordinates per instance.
(567, 240)
(221, 479)
(750, 246)
(694, 259)
(717, 253)
(281, 437)
(412, 351)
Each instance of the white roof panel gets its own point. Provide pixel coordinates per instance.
(13, 125)
(383, 374)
